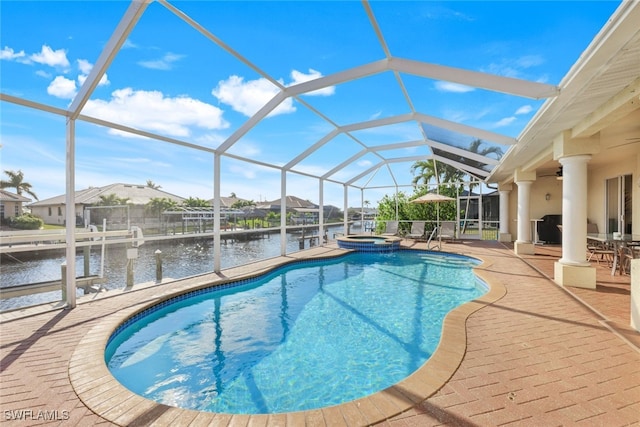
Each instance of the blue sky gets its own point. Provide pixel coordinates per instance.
(170, 80)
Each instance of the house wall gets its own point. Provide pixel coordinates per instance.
(539, 206)
(598, 174)
(10, 208)
(58, 214)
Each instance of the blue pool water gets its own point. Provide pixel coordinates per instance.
(305, 336)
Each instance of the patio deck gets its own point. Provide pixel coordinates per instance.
(538, 355)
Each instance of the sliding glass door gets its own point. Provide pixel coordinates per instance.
(618, 204)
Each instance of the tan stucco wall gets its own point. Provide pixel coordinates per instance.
(598, 175)
(54, 218)
(539, 205)
(10, 209)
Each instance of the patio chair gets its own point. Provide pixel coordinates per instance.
(627, 253)
(598, 248)
(391, 229)
(417, 230)
(447, 230)
(601, 249)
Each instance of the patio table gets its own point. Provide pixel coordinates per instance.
(617, 242)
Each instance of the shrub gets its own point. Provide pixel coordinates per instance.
(27, 222)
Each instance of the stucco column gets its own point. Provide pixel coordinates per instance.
(573, 269)
(523, 244)
(574, 210)
(504, 191)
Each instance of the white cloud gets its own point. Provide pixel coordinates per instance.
(128, 44)
(248, 97)
(50, 57)
(529, 61)
(452, 87)
(61, 87)
(85, 68)
(8, 54)
(300, 77)
(505, 122)
(514, 68)
(152, 111)
(525, 109)
(43, 73)
(164, 63)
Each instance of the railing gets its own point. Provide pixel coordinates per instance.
(25, 241)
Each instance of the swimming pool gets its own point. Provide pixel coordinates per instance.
(305, 336)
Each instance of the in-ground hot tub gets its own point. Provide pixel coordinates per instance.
(367, 243)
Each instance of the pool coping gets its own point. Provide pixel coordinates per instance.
(105, 396)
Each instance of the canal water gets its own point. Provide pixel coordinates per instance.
(180, 259)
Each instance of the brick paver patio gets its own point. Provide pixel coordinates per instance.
(537, 354)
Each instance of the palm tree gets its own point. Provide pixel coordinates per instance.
(158, 205)
(153, 185)
(427, 170)
(475, 147)
(196, 202)
(112, 200)
(424, 171)
(16, 180)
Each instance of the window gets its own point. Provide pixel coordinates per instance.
(59, 210)
(49, 210)
(17, 210)
(1, 210)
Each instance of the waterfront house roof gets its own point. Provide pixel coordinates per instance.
(7, 196)
(136, 195)
(227, 202)
(292, 202)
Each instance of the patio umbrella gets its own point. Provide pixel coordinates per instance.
(434, 198)
(431, 198)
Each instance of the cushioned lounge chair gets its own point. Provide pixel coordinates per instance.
(417, 230)
(447, 230)
(391, 229)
